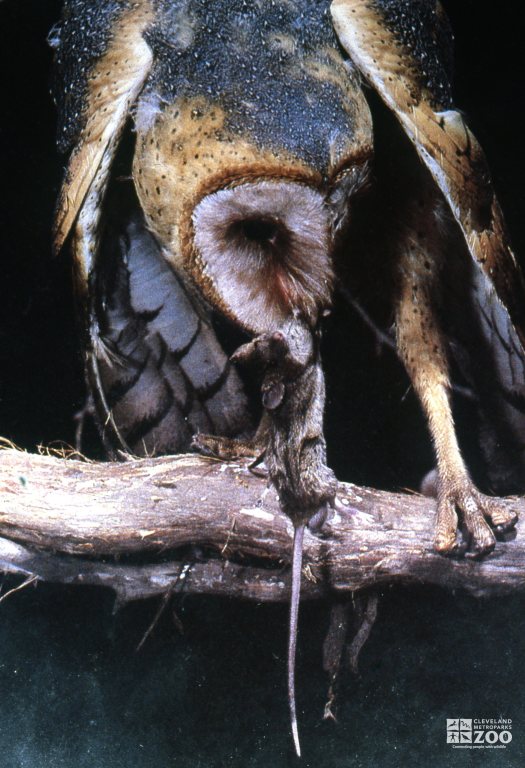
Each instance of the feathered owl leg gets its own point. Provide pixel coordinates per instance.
(421, 346)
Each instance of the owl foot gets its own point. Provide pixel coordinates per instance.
(479, 517)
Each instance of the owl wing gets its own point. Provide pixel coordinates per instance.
(156, 371)
(101, 64)
(403, 49)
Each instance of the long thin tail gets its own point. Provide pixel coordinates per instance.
(297, 562)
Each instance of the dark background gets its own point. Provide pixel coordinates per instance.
(72, 690)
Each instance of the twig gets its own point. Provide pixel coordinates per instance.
(26, 583)
(66, 521)
(181, 576)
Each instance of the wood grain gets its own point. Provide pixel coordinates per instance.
(132, 526)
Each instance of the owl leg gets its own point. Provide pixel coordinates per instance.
(421, 346)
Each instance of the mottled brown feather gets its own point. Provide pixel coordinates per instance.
(442, 139)
(114, 84)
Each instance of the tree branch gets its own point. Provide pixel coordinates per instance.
(129, 526)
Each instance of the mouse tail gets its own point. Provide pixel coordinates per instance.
(297, 561)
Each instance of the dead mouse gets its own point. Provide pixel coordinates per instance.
(293, 396)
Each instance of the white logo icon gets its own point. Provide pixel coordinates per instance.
(459, 731)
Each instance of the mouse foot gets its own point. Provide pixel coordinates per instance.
(225, 448)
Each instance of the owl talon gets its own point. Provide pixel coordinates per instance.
(449, 549)
(478, 513)
(445, 539)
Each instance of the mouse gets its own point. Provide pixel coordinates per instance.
(293, 398)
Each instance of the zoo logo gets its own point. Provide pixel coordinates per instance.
(464, 733)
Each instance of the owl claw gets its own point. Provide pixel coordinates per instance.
(480, 518)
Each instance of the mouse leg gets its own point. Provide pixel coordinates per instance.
(225, 448)
(421, 346)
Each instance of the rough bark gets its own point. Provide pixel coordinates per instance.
(133, 525)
